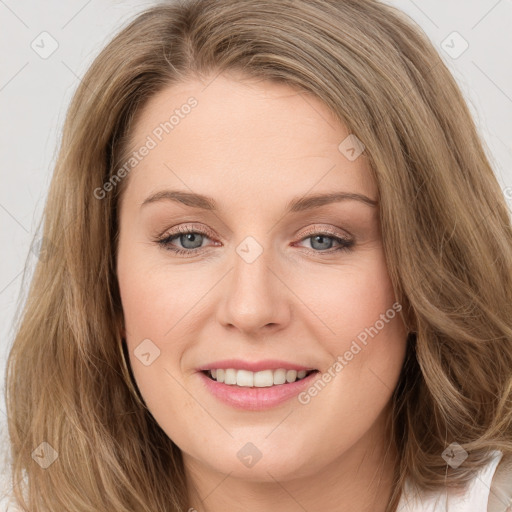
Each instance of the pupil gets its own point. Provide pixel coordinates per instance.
(191, 237)
(321, 238)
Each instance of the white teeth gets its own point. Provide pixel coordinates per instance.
(262, 379)
(230, 376)
(244, 378)
(280, 376)
(291, 375)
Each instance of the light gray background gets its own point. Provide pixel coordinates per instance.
(35, 93)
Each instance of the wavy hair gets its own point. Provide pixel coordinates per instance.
(446, 232)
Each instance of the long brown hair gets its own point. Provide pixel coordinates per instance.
(445, 224)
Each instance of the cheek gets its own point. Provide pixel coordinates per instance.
(361, 329)
(156, 297)
(348, 299)
(155, 306)
(161, 303)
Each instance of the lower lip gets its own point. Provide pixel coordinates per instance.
(256, 399)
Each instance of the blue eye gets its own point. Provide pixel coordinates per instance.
(191, 241)
(323, 239)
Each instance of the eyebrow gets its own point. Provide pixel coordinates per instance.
(295, 205)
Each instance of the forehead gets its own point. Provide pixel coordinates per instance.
(230, 136)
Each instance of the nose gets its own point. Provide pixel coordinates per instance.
(256, 298)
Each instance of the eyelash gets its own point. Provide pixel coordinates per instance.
(165, 242)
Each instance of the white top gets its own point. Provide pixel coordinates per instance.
(474, 499)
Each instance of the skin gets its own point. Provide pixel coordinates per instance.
(253, 146)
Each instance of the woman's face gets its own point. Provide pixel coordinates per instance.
(267, 279)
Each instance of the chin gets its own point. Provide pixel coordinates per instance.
(288, 464)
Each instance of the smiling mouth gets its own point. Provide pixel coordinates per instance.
(261, 379)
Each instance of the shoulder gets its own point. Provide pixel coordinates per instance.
(490, 491)
(500, 495)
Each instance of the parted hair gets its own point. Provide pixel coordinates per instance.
(446, 231)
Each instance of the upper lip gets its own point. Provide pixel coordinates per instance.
(253, 366)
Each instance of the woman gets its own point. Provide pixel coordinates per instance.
(190, 343)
